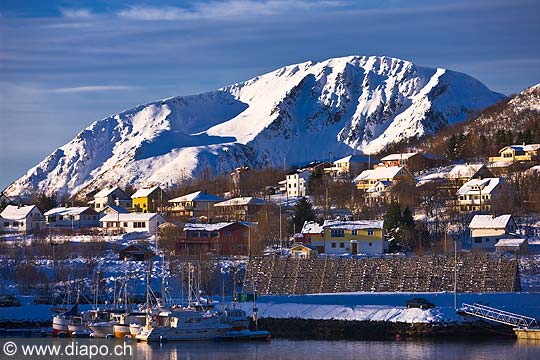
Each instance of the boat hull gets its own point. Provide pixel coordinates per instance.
(121, 330)
(102, 330)
(60, 325)
(183, 334)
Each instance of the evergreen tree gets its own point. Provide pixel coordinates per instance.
(392, 218)
(303, 211)
(407, 219)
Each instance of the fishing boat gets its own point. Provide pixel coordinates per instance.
(182, 325)
(61, 321)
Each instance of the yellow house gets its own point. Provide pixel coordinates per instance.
(354, 237)
(516, 153)
(368, 178)
(149, 199)
(301, 251)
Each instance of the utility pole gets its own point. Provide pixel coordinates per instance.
(280, 232)
(455, 273)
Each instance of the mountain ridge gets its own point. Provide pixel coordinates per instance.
(296, 113)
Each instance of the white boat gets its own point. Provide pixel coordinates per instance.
(134, 329)
(61, 322)
(102, 329)
(182, 325)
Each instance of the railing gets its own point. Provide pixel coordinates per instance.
(500, 316)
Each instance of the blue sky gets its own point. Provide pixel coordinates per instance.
(65, 64)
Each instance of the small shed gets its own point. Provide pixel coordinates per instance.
(135, 252)
(303, 251)
(515, 246)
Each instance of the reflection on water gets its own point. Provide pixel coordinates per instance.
(342, 350)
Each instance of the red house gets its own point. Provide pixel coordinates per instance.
(227, 238)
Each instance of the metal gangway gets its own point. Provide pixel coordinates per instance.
(501, 316)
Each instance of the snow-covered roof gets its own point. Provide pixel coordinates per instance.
(197, 196)
(301, 245)
(535, 168)
(381, 172)
(16, 213)
(479, 186)
(240, 201)
(105, 192)
(490, 222)
(394, 157)
(129, 217)
(66, 211)
(354, 159)
(385, 184)
(144, 192)
(522, 148)
(464, 171)
(206, 227)
(353, 225)
(510, 242)
(311, 227)
(118, 209)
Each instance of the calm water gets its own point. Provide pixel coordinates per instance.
(342, 350)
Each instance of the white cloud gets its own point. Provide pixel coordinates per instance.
(94, 88)
(77, 13)
(226, 9)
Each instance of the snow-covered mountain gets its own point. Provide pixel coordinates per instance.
(294, 114)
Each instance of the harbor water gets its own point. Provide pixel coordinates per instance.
(343, 350)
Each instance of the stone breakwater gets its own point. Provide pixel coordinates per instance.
(303, 329)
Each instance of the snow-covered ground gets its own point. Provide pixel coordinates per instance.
(388, 306)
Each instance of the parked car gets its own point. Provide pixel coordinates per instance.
(9, 301)
(420, 303)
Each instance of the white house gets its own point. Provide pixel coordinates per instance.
(195, 204)
(350, 165)
(133, 222)
(72, 217)
(487, 230)
(21, 219)
(110, 196)
(297, 182)
(478, 194)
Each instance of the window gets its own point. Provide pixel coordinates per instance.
(487, 240)
(371, 233)
(333, 245)
(6, 223)
(341, 244)
(125, 224)
(15, 223)
(337, 233)
(478, 240)
(370, 243)
(354, 232)
(229, 234)
(60, 217)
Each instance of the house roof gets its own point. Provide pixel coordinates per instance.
(129, 217)
(385, 183)
(353, 225)
(510, 242)
(464, 171)
(479, 186)
(490, 222)
(354, 159)
(136, 248)
(207, 227)
(311, 227)
(394, 157)
(300, 245)
(241, 201)
(117, 209)
(106, 192)
(197, 196)
(382, 172)
(65, 211)
(16, 212)
(144, 192)
(523, 148)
